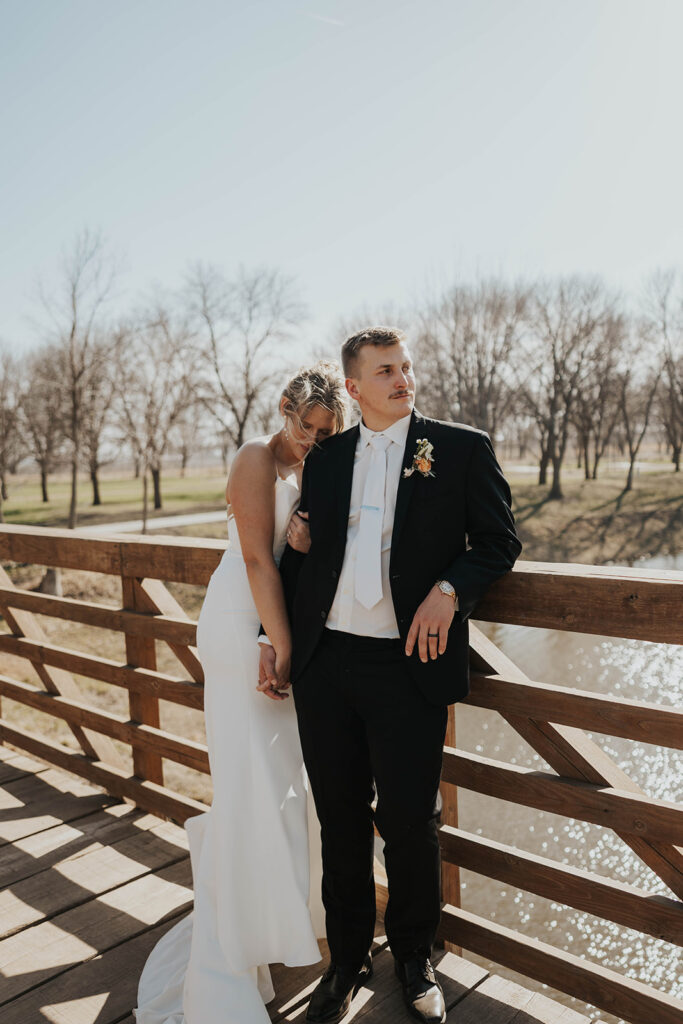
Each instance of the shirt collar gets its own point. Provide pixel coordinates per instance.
(397, 432)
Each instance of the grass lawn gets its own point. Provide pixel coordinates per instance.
(121, 498)
(596, 522)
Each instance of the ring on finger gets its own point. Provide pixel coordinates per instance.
(436, 635)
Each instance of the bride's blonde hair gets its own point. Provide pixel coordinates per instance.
(321, 384)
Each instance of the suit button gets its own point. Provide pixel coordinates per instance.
(396, 576)
(323, 615)
(334, 574)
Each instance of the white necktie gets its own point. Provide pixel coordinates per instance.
(368, 582)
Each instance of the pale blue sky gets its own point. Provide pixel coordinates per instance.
(371, 148)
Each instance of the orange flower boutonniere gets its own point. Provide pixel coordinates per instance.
(422, 459)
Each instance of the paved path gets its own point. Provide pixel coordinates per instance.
(157, 522)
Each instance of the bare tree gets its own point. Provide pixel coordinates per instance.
(242, 328)
(153, 390)
(664, 312)
(187, 434)
(42, 411)
(9, 422)
(75, 311)
(563, 319)
(635, 404)
(97, 398)
(596, 407)
(468, 340)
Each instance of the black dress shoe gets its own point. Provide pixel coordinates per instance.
(421, 991)
(337, 987)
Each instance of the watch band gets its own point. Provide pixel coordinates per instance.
(446, 588)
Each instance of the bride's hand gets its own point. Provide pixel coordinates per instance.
(298, 533)
(272, 675)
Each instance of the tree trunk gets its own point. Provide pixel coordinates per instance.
(629, 477)
(596, 460)
(676, 458)
(556, 489)
(156, 481)
(3, 486)
(95, 486)
(183, 463)
(136, 469)
(144, 500)
(74, 491)
(43, 483)
(543, 469)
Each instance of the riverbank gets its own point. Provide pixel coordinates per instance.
(597, 522)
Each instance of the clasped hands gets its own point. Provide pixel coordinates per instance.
(429, 630)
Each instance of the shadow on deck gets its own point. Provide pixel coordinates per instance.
(89, 884)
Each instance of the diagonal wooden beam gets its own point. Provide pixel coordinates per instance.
(571, 753)
(57, 680)
(144, 708)
(152, 596)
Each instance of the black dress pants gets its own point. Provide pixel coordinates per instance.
(365, 725)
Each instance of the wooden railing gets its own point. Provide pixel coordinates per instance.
(584, 782)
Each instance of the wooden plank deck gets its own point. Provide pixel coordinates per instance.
(88, 884)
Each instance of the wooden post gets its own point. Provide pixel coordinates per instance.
(450, 873)
(144, 708)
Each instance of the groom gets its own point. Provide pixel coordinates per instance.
(410, 522)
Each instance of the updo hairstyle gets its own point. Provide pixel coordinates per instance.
(321, 384)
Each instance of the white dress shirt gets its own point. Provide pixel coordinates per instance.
(347, 613)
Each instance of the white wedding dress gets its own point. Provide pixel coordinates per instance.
(250, 852)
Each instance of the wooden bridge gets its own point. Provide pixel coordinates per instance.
(93, 861)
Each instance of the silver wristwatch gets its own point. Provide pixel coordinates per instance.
(446, 588)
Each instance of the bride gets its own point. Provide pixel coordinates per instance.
(249, 851)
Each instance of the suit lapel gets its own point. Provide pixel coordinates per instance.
(406, 483)
(343, 475)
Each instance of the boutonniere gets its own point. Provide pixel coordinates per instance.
(422, 459)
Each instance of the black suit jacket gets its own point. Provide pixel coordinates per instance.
(457, 525)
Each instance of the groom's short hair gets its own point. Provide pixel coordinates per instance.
(381, 337)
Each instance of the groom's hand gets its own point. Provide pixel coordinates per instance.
(430, 625)
(267, 674)
(298, 533)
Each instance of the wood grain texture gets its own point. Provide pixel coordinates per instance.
(642, 604)
(613, 716)
(57, 679)
(572, 754)
(180, 559)
(100, 990)
(149, 795)
(618, 809)
(90, 872)
(140, 737)
(144, 707)
(161, 627)
(152, 596)
(615, 901)
(625, 997)
(138, 680)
